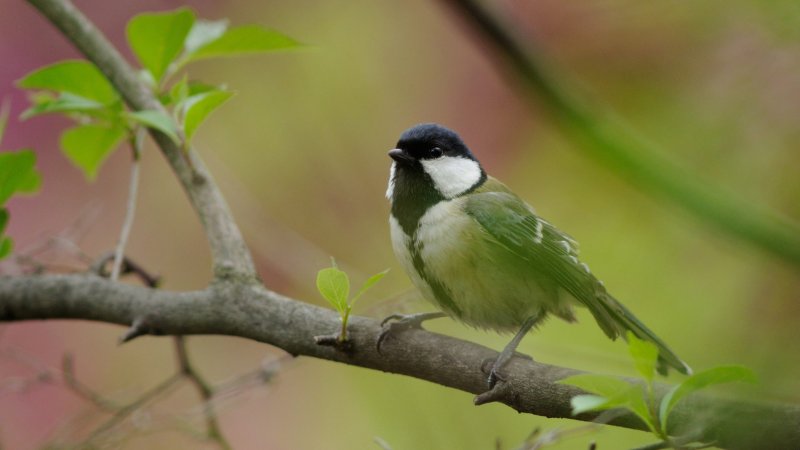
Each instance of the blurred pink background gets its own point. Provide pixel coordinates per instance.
(300, 153)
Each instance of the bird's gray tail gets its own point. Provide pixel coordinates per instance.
(615, 319)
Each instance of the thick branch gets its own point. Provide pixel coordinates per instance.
(231, 256)
(255, 313)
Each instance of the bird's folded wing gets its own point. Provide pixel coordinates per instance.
(550, 253)
(512, 224)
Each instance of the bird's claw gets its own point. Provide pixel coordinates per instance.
(494, 366)
(493, 371)
(402, 322)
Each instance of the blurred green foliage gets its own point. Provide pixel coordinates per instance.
(606, 392)
(18, 175)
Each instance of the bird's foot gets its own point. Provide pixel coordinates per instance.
(494, 375)
(496, 380)
(401, 322)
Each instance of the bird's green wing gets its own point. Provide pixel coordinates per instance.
(552, 254)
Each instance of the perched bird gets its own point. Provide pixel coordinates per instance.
(480, 253)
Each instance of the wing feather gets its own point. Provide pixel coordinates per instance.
(554, 255)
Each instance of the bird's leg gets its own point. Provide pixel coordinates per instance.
(401, 322)
(509, 350)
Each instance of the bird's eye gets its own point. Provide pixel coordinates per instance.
(435, 152)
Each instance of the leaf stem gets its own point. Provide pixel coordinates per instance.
(345, 319)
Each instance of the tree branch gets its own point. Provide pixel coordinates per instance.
(231, 256)
(253, 312)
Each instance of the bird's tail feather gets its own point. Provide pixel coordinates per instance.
(624, 321)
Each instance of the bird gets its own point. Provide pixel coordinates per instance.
(481, 254)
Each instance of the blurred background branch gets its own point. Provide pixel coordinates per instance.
(604, 136)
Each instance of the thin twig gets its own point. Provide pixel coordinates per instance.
(538, 440)
(268, 368)
(83, 391)
(130, 210)
(65, 241)
(204, 389)
(129, 266)
(122, 413)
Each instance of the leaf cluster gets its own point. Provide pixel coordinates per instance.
(164, 44)
(608, 392)
(18, 174)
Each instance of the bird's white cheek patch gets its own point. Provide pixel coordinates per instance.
(452, 175)
(390, 187)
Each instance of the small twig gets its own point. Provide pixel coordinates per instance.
(130, 210)
(64, 241)
(538, 440)
(122, 413)
(140, 327)
(204, 389)
(44, 374)
(380, 442)
(80, 389)
(264, 374)
(655, 446)
(128, 267)
(678, 443)
(335, 340)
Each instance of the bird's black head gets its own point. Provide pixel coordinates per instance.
(429, 141)
(431, 164)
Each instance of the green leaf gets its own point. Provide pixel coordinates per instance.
(157, 120)
(31, 182)
(65, 103)
(204, 32)
(6, 246)
(3, 220)
(243, 40)
(334, 285)
(5, 108)
(157, 38)
(616, 393)
(88, 146)
(184, 89)
(587, 402)
(604, 385)
(198, 107)
(700, 380)
(178, 92)
(77, 77)
(17, 173)
(645, 356)
(368, 284)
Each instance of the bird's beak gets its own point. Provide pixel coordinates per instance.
(400, 156)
